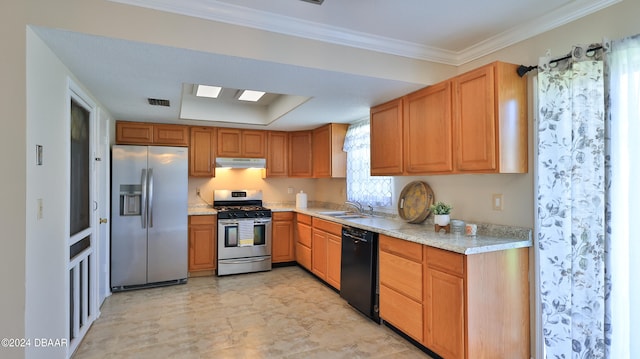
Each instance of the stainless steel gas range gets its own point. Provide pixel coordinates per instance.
(244, 232)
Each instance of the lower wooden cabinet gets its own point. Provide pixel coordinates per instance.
(326, 250)
(303, 240)
(202, 243)
(458, 306)
(283, 246)
(401, 285)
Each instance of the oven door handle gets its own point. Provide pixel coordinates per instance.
(245, 260)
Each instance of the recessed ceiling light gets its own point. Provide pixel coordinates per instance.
(208, 91)
(250, 95)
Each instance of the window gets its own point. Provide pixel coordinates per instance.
(361, 187)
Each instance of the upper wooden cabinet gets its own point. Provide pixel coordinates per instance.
(386, 139)
(142, 133)
(490, 121)
(277, 154)
(428, 130)
(329, 159)
(300, 160)
(233, 142)
(201, 152)
(473, 123)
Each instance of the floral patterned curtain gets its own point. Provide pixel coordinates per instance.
(361, 186)
(570, 221)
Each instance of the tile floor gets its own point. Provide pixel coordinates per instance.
(284, 313)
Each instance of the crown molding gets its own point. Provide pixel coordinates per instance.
(257, 19)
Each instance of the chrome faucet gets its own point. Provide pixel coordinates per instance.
(355, 205)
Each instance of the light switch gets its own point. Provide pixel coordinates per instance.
(497, 202)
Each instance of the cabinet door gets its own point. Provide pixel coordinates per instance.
(386, 139)
(253, 144)
(201, 152)
(444, 313)
(282, 238)
(475, 121)
(444, 305)
(134, 133)
(278, 154)
(319, 253)
(300, 164)
(229, 142)
(170, 135)
(427, 130)
(321, 154)
(334, 260)
(202, 243)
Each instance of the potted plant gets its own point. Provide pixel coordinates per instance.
(441, 213)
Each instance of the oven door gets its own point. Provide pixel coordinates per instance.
(243, 238)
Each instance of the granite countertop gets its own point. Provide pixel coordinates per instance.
(490, 237)
(201, 210)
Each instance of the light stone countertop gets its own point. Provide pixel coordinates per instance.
(500, 237)
(425, 233)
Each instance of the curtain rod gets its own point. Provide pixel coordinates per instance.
(522, 69)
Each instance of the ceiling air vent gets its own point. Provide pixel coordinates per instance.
(158, 102)
(317, 2)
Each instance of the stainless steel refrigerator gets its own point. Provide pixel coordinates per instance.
(148, 216)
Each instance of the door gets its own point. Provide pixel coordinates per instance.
(102, 161)
(81, 266)
(168, 219)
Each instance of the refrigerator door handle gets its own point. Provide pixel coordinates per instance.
(143, 199)
(150, 197)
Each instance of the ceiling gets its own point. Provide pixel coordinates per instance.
(123, 74)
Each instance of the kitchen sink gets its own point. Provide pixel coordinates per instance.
(342, 214)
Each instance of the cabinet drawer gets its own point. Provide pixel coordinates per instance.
(282, 216)
(304, 234)
(444, 260)
(206, 220)
(401, 275)
(303, 256)
(303, 218)
(402, 312)
(327, 226)
(406, 249)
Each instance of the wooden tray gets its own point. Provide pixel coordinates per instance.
(414, 202)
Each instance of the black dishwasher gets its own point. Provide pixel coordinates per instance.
(359, 271)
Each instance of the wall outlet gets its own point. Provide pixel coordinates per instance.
(290, 190)
(497, 202)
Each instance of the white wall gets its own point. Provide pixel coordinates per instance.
(13, 189)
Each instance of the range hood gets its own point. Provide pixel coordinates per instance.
(241, 162)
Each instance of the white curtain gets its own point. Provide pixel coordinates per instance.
(623, 255)
(361, 186)
(571, 207)
(588, 205)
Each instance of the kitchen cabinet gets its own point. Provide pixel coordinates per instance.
(201, 152)
(490, 120)
(277, 154)
(202, 243)
(473, 123)
(283, 246)
(427, 130)
(477, 306)
(233, 142)
(329, 159)
(303, 240)
(401, 285)
(142, 133)
(386, 139)
(444, 303)
(326, 251)
(300, 154)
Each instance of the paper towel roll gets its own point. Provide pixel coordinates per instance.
(301, 200)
